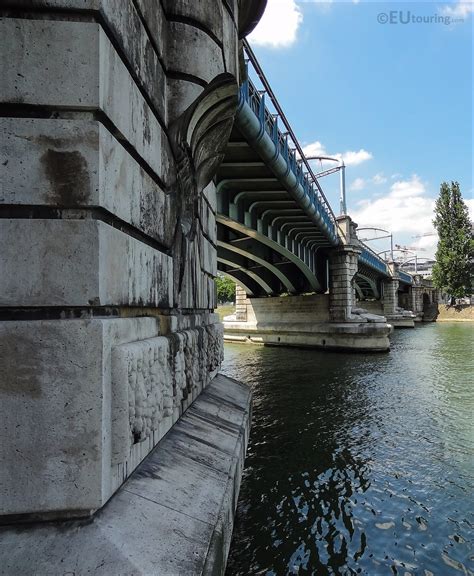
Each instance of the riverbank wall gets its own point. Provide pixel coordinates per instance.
(462, 313)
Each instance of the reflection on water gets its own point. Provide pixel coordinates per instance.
(359, 464)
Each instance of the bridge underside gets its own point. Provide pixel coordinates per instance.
(367, 283)
(262, 266)
(266, 241)
(275, 230)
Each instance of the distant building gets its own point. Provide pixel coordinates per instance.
(424, 268)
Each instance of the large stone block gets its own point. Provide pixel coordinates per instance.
(152, 14)
(192, 51)
(56, 399)
(124, 23)
(206, 15)
(82, 71)
(88, 400)
(174, 515)
(230, 44)
(80, 263)
(143, 55)
(67, 77)
(78, 163)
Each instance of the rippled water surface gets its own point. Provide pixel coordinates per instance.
(359, 464)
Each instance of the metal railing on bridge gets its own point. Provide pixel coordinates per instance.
(288, 146)
(405, 277)
(373, 260)
(285, 142)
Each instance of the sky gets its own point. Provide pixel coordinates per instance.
(387, 86)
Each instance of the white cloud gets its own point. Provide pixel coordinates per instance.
(407, 188)
(357, 184)
(406, 210)
(361, 183)
(427, 244)
(379, 179)
(315, 149)
(351, 158)
(460, 9)
(279, 24)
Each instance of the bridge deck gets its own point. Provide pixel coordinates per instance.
(275, 226)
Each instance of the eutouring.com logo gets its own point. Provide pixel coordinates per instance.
(408, 17)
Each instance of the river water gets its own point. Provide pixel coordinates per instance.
(359, 464)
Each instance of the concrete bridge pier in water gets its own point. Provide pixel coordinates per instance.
(331, 320)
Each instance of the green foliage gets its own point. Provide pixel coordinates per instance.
(452, 272)
(225, 289)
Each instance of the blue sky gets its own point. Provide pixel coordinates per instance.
(395, 99)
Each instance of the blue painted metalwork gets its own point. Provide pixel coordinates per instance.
(269, 124)
(405, 277)
(261, 129)
(307, 189)
(371, 259)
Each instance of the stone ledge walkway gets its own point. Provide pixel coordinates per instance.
(173, 516)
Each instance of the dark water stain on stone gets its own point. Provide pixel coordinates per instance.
(20, 377)
(69, 177)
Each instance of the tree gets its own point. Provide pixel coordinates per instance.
(452, 272)
(225, 289)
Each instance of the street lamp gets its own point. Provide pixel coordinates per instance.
(342, 179)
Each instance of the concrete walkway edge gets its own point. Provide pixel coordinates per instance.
(173, 516)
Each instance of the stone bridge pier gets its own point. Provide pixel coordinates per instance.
(329, 320)
(114, 116)
(391, 302)
(421, 299)
(398, 316)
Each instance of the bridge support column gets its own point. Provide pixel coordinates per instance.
(396, 316)
(342, 269)
(416, 295)
(320, 320)
(343, 262)
(240, 304)
(109, 346)
(424, 300)
(390, 296)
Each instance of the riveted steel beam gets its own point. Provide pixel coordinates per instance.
(250, 256)
(307, 273)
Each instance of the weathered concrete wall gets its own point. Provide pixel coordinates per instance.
(288, 309)
(174, 515)
(114, 114)
(390, 296)
(304, 321)
(343, 263)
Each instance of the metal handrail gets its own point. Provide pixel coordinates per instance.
(407, 275)
(376, 257)
(289, 131)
